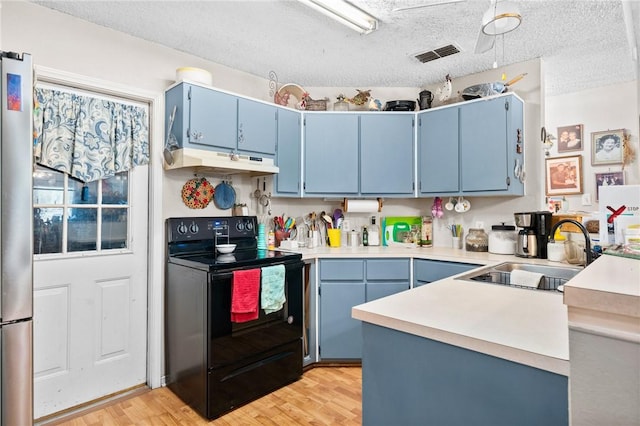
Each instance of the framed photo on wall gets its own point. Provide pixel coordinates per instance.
(608, 179)
(563, 175)
(570, 138)
(606, 147)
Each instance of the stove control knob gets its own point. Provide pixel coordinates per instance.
(239, 226)
(182, 228)
(249, 225)
(194, 228)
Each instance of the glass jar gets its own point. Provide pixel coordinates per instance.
(502, 239)
(477, 240)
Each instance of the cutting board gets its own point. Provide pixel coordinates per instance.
(389, 221)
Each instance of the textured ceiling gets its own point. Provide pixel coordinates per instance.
(583, 43)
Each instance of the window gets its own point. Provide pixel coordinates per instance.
(71, 216)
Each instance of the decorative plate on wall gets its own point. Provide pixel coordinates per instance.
(197, 193)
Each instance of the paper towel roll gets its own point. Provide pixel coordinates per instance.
(362, 206)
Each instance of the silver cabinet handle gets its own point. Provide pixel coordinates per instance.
(194, 135)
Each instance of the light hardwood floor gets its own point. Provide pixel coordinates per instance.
(323, 396)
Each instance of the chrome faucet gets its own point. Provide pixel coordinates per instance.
(587, 246)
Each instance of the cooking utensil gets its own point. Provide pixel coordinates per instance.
(225, 196)
(328, 219)
(337, 214)
(487, 89)
(257, 193)
(171, 142)
(400, 106)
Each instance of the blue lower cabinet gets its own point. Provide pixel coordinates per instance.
(340, 335)
(427, 271)
(412, 380)
(345, 283)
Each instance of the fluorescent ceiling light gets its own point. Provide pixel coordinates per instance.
(503, 17)
(345, 13)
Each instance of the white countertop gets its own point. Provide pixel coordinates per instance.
(606, 299)
(520, 325)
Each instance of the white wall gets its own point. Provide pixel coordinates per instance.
(604, 108)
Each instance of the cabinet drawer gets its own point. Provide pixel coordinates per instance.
(387, 269)
(433, 270)
(342, 270)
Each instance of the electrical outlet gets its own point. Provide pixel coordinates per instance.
(586, 199)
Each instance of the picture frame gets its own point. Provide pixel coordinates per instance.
(563, 175)
(570, 138)
(608, 179)
(606, 147)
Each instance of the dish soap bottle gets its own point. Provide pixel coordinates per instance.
(365, 237)
(374, 233)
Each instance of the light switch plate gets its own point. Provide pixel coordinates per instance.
(586, 199)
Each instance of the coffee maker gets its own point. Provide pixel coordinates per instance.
(533, 237)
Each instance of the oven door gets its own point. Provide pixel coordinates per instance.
(231, 342)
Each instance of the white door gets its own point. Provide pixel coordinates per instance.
(90, 306)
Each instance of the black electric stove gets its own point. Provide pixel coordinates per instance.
(213, 363)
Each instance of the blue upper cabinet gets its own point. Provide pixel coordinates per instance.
(331, 154)
(213, 120)
(438, 152)
(257, 127)
(386, 154)
(288, 153)
(472, 148)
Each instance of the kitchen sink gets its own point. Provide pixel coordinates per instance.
(554, 277)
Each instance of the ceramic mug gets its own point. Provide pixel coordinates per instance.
(450, 205)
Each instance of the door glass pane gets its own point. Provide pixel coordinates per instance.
(82, 229)
(47, 230)
(114, 228)
(83, 193)
(115, 190)
(48, 186)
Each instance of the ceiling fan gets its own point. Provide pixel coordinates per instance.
(503, 16)
(419, 6)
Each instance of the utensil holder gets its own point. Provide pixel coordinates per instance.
(334, 237)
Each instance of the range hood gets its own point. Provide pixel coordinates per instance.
(225, 163)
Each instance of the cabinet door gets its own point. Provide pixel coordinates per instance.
(257, 127)
(438, 151)
(331, 154)
(483, 145)
(427, 271)
(340, 335)
(386, 154)
(379, 289)
(212, 119)
(288, 153)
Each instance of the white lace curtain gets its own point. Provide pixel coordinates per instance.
(88, 138)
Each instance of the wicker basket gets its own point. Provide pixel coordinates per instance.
(316, 105)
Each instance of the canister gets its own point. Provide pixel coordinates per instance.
(502, 239)
(477, 240)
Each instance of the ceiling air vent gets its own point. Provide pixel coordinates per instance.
(441, 52)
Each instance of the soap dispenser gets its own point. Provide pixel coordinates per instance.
(373, 233)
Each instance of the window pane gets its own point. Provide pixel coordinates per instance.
(82, 229)
(83, 193)
(114, 228)
(48, 186)
(47, 230)
(115, 190)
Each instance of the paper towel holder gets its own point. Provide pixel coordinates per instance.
(362, 206)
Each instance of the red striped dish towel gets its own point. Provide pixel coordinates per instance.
(244, 295)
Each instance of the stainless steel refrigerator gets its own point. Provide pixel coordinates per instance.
(16, 240)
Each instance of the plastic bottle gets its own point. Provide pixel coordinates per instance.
(365, 237)
(271, 240)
